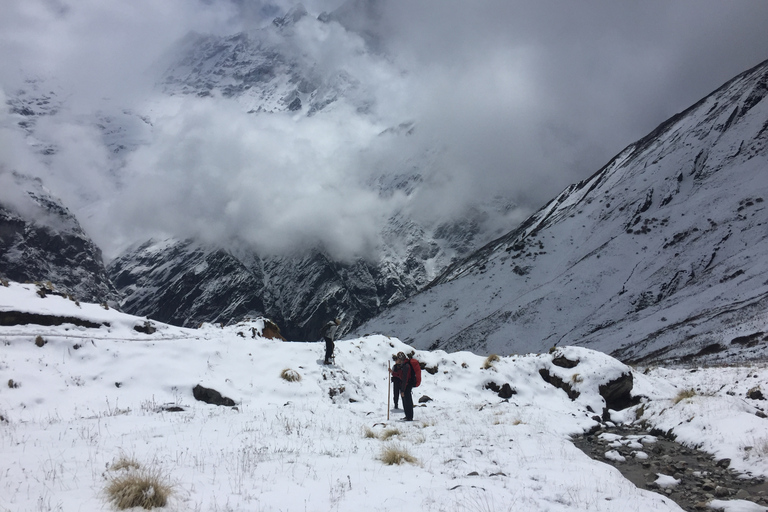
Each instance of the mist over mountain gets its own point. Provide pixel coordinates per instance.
(659, 255)
(507, 98)
(331, 158)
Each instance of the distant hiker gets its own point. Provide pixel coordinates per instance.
(397, 377)
(329, 335)
(406, 385)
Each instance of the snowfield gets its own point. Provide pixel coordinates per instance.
(77, 401)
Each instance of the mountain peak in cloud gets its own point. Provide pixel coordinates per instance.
(364, 17)
(291, 17)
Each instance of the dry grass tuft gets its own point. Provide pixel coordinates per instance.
(490, 360)
(143, 489)
(683, 394)
(125, 463)
(389, 434)
(392, 455)
(761, 447)
(368, 433)
(290, 375)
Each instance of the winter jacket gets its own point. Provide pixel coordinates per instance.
(329, 331)
(397, 372)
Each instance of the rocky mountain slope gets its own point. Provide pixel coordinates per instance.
(186, 283)
(41, 240)
(261, 70)
(264, 72)
(661, 254)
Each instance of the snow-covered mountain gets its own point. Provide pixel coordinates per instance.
(41, 240)
(268, 72)
(661, 254)
(186, 283)
(285, 68)
(263, 70)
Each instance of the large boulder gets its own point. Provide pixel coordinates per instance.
(211, 396)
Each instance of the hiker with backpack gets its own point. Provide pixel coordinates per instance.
(396, 374)
(329, 335)
(411, 378)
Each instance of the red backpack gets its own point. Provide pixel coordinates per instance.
(416, 374)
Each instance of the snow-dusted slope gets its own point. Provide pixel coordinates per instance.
(186, 283)
(41, 240)
(269, 73)
(82, 403)
(661, 254)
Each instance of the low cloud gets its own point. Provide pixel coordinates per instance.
(507, 98)
(277, 182)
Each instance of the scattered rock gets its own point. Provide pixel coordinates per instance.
(617, 393)
(559, 383)
(564, 362)
(755, 393)
(701, 477)
(505, 391)
(10, 318)
(211, 396)
(147, 328)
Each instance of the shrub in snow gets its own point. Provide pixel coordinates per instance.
(146, 489)
(392, 455)
(488, 364)
(389, 433)
(125, 463)
(290, 375)
(683, 394)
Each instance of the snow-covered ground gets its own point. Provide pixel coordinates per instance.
(89, 398)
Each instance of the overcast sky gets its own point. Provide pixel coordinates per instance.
(523, 98)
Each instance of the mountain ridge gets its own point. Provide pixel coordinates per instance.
(672, 171)
(42, 240)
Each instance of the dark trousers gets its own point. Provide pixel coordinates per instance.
(328, 350)
(396, 389)
(407, 403)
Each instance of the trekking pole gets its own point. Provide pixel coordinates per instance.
(388, 387)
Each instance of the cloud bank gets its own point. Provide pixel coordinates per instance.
(508, 98)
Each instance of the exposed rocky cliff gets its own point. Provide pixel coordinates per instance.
(41, 241)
